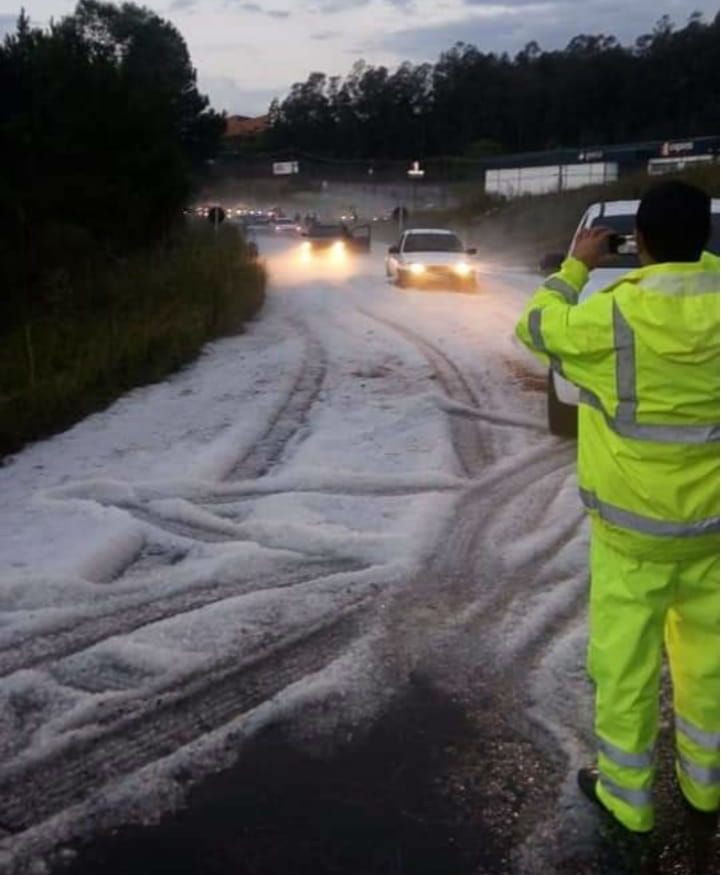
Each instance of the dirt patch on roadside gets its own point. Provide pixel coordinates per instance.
(526, 378)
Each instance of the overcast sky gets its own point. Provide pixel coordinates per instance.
(248, 51)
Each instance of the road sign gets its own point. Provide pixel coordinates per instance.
(285, 168)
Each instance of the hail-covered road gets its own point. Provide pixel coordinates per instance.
(349, 518)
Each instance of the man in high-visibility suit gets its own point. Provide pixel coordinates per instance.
(645, 354)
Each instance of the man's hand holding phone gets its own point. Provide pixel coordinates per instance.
(591, 245)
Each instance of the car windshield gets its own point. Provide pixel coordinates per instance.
(625, 225)
(326, 231)
(432, 243)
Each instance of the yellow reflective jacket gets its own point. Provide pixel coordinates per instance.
(645, 354)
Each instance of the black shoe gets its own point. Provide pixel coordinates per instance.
(698, 814)
(587, 779)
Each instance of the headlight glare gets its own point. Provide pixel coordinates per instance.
(417, 268)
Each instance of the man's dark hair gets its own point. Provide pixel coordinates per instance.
(675, 221)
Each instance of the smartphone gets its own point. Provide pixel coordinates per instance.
(622, 244)
(615, 243)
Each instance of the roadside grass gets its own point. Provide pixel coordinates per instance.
(142, 317)
(525, 228)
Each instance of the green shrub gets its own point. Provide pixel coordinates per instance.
(114, 325)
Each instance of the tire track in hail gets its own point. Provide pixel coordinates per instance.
(149, 728)
(466, 586)
(472, 451)
(469, 561)
(290, 417)
(79, 634)
(127, 741)
(444, 624)
(285, 423)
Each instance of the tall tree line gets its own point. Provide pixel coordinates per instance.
(101, 126)
(595, 91)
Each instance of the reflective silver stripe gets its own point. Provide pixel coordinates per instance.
(636, 798)
(623, 341)
(643, 760)
(681, 285)
(661, 434)
(625, 421)
(627, 519)
(594, 401)
(669, 434)
(700, 774)
(707, 740)
(556, 364)
(534, 329)
(556, 284)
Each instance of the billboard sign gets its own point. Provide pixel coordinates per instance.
(285, 168)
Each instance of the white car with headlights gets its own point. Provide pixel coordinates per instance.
(431, 257)
(620, 217)
(281, 225)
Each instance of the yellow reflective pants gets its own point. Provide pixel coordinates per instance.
(635, 606)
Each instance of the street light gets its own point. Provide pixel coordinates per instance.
(415, 173)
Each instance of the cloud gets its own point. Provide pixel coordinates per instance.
(183, 5)
(505, 5)
(323, 35)
(330, 7)
(7, 24)
(257, 9)
(508, 26)
(226, 94)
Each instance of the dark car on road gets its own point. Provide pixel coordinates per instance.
(338, 237)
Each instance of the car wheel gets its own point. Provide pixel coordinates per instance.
(562, 418)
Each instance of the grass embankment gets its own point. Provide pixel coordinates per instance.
(522, 230)
(141, 318)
